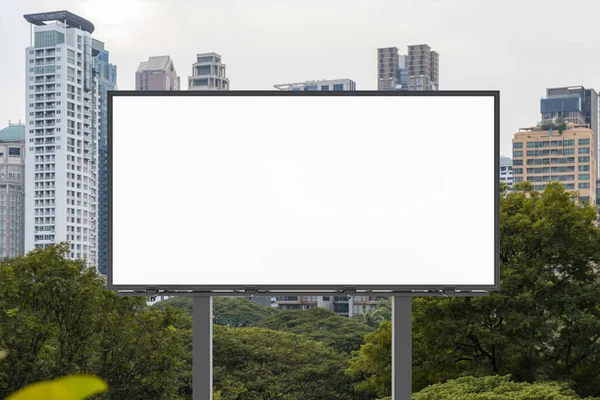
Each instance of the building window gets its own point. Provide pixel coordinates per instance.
(583, 185)
(518, 162)
(584, 177)
(583, 150)
(583, 142)
(584, 159)
(338, 87)
(325, 88)
(569, 142)
(532, 145)
(584, 168)
(518, 145)
(517, 154)
(518, 171)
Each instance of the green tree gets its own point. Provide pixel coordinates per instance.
(232, 312)
(344, 334)
(495, 388)
(372, 364)
(256, 363)
(58, 319)
(544, 323)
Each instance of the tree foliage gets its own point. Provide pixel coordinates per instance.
(372, 364)
(544, 323)
(233, 312)
(57, 319)
(343, 334)
(495, 388)
(257, 363)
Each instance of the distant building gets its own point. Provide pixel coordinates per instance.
(321, 86)
(106, 74)
(12, 190)
(158, 73)
(506, 171)
(419, 70)
(542, 156)
(345, 306)
(576, 104)
(208, 73)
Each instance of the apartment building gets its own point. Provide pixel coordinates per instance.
(61, 135)
(208, 73)
(542, 156)
(575, 104)
(12, 190)
(158, 73)
(345, 306)
(324, 85)
(418, 70)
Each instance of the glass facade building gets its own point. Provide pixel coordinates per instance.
(106, 74)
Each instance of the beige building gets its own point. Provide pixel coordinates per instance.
(542, 156)
(419, 70)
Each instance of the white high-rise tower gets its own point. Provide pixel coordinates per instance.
(61, 138)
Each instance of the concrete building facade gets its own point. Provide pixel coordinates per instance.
(158, 73)
(418, 70)
(542, 156)
(61, 145)
(106, 74)
(12, 191)
(208, 73)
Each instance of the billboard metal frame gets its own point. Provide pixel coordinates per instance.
(246, 290)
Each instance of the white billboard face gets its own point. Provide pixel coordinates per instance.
(273, 190)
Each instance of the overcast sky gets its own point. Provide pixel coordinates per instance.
(519, 47)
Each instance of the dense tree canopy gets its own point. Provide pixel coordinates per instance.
(57, 318)
(495, 388)
(233, 312)
(341, 333)
(543, 324)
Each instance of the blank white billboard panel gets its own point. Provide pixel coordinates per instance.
(308, 191)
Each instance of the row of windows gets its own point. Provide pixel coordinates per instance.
(544, 161)
(542, 170)
(553, 152)
(551, 143)
(567, 186)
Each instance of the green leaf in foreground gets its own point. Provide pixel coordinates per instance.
(76, 387)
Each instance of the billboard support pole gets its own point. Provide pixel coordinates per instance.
(401, 347)
(202, 354)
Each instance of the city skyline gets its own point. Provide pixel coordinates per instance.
(258, 33)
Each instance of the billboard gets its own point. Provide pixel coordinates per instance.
(294, 191)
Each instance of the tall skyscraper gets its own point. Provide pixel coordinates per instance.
(12, 190)
(541, 156)
(506, 171)
(576, 104)
(61, 135)
(158, 73)
(208, 73)
(106, 74)
(322, 85)
(419, 70)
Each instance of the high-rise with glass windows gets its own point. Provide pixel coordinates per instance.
(12, 190)
(575, 104)
(419, 70)
(106, 74)
(506, 171)
(61, 135)
(208, 73)
(542, 156)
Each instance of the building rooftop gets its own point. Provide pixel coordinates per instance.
(63, 16)
(155, 63)
(13, 132)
